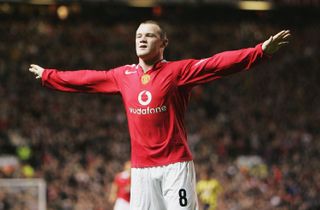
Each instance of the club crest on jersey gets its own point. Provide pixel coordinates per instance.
(145, 79)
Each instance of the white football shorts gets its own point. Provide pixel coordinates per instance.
(170, 187)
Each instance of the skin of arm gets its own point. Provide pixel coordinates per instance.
(113, 193)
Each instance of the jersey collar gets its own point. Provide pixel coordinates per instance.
(155, 66)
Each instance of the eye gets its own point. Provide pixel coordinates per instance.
(150, 35)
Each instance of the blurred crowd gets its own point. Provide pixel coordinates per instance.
(78, 142)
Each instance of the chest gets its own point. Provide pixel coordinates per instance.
(151, 88)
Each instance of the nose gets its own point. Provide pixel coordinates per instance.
(143, 40)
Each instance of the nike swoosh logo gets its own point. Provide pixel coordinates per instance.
(127, 72)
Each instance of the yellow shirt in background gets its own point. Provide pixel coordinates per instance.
(208, 191)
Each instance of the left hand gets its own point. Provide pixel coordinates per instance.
(274, 43)
(36, 70)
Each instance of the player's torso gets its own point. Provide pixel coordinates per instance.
(155, 106)
(147, 93)
(149, 99)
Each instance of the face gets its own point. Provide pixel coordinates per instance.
(149, 44)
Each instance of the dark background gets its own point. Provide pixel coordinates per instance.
(79, 141)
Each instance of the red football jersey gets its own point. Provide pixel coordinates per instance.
(155, 101)
(122, 180)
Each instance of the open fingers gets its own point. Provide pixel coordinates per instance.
(33, 70)
(283, 43)
(34, 66)
(36, 70)
(284, 34)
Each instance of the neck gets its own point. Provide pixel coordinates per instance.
(148, 64)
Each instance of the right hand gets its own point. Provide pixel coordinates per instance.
(273, 44)
(36, 70)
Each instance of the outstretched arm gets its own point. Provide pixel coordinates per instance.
(194, 72)
(76, 81)
(274, 43)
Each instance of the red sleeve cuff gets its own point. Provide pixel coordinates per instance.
(45, 76)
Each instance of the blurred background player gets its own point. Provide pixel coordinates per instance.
(208, 190)
(120, 189)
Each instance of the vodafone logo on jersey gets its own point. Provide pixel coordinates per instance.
(144, 97)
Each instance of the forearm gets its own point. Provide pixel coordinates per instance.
(77, 81)
(219, 65)
(230, 62)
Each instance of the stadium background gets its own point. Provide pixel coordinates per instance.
(257, 131)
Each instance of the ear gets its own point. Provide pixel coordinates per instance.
(165, 43)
